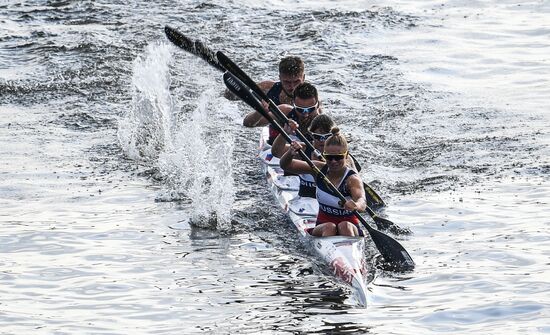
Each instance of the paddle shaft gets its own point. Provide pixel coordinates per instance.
(245, 79)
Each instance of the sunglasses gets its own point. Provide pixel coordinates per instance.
(306, 110)
(334, 157)
(321, 137)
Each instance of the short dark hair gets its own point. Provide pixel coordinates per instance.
(321, 122)
(306, 91)
(291, 65)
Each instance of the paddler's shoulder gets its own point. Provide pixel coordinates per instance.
(266, 85)
(285, 108)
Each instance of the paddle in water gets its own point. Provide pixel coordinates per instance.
(391, 250)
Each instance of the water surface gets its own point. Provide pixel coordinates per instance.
(132, 200)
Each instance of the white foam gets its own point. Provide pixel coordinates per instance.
(188, 147)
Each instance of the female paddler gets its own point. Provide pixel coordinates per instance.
(333, 218)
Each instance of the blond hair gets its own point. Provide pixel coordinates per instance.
(337, 139)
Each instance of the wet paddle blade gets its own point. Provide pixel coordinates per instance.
(242, 91)
(240, 74)
(374, 201)
(392, 251)
(195, 47)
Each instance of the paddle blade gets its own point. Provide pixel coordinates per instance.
(392, 251)
(237, 72)
(195, 47)
(242, 91)
(373, 199)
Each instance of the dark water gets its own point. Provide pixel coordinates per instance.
(132, 201)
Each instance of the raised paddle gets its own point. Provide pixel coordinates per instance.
(392, 251)
(196, 47)
(222, 62)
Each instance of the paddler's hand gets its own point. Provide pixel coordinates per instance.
(296, 146)
(265, 105)
(350, 205)
(291, 126)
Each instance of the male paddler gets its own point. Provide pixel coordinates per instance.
(291, 74)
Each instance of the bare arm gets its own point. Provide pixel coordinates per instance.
(280, 146)
(355, 186)
(290, 164)
(255, 119)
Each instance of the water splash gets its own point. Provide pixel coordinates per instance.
(186, 148)
(198, 166)
(146, 127)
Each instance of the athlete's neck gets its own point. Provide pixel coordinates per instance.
(288, 95)
(338, 174)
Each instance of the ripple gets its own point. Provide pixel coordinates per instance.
(522, 310)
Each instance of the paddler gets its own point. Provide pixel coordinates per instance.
(319, 131)
(291, 75)
(333, 218)
(305, 106)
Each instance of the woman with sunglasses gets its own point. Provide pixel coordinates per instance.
(318, 133)
(333, 218)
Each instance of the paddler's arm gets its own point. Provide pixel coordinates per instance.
(280, 146)
(255, 119)
(288, 163)
(355, 186)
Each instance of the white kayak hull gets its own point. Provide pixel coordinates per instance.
(344, 256)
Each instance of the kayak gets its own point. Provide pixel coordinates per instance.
(344, 255)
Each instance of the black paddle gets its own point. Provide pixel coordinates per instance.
(196, 47)
(373, 199)
(390, 249)
(222, 62)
